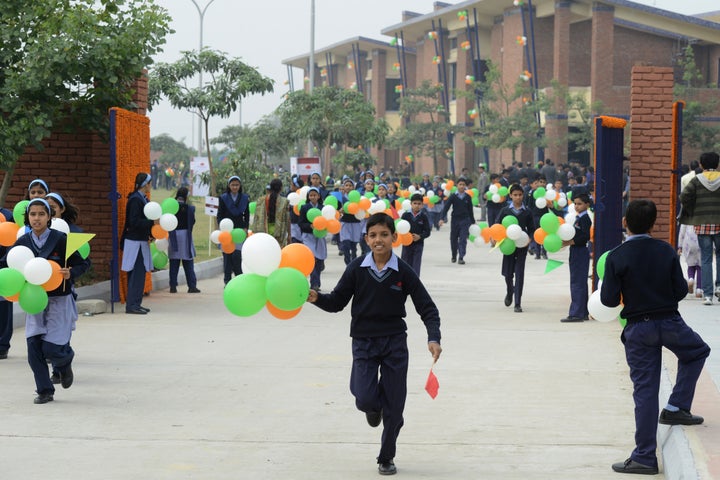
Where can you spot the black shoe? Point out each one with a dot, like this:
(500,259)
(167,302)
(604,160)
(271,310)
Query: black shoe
(570,319)
(66,379)
(145,308)
(193,290)
(544,256)
(461,262)
(387,468)
(631,466)
(453,260)
(373,418)
(681,417)
(518,309)
(173,289)
(537,257)
(136,311)
(508,299)
(55,379)
(3,355)
(43,398)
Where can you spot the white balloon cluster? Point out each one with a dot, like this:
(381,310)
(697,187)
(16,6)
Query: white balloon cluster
(36,270)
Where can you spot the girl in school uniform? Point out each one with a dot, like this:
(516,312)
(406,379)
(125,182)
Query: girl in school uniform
(182,247)
(38,188)
(235,205)
(350,226)
(317,245)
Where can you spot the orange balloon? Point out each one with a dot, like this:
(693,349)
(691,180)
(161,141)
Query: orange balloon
(296,209)
(320,222)
(158,232)
(449,184)
(405,193)
(225,237)
(2,218)
(227,247)
(398,205)
(485,234)
(13,298)
(55,279)
(281,314)
(540,235)
(8,233)
(333,226)
(364,203)
(426,200)
(498,232)
(405,238)
(353,208)
(297,256)
(561,220)
(396,243)
(470,192)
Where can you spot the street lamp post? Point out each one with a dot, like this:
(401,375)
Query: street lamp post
(311,63)
(201,12)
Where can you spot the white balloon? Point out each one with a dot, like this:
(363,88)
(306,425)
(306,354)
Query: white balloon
(570,218)
(403,226)
(421,191)
(18,256)
(493,189)
(400,213)
(600,312)
(303,192)
(562,202)
(60,225)
(514,232)
(496,197)
(566,232)
(152,210)
(162,244)
(406,205)
(540,202)
(447,192)
(474,230)
(443,185)
(21,231)
(37,271)
(328,211)
(360,214)
(411,189)
(523,241)
(226,225)
(478,242)
(376,207)
(550,195)
(293,198)
(169,222)
(261,253)
(215,236)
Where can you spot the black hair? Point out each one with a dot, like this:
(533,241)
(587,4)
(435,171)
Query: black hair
(416,197)
(493,176)
(275,188)
(37,181)
(70,212)
(640,216)
(709,160)
(380,219)
(464,180)
(182,193)
(583,197)
(514,188)
(139,179)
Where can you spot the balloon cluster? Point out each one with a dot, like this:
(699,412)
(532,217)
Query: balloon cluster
(272,277)
(396,66)
(521,40)
(507,234)
(473,113)
(526,75)
(227,236)
(545,198)
(497,193)
(469,79)
(404,237)
(436,59)
(28,279)
(326,220)
(552,232)
(432,35)
(168,222)
(465,45)
(596,308)
(462,15)
(398,88)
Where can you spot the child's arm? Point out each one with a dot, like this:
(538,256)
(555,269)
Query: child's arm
(338,299)
(427,227)
(611,291)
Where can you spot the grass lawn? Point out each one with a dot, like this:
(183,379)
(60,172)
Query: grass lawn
(204,224)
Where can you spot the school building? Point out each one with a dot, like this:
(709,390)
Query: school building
(589,46)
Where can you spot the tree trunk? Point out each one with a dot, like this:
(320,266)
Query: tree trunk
(7,181)
(213,192)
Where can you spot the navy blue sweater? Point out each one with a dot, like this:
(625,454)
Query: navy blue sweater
(462,208)
(647,273)
(378,301)
(582,230)
(419,224)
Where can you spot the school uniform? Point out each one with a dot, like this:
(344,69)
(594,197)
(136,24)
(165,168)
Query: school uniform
(317,245)
(237,209)
(6,308)
(513,266)
(379,338)
(350,234)
(645,273)
(182,248)
(462,217)
(579,263)
(537,213)
(419,224)
(136,249)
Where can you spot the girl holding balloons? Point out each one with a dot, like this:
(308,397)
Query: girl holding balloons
(48,330)
(350,225)
(513,265)
(235,205)
(316,244)
(181,246)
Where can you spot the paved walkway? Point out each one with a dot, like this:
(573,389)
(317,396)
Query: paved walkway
(192,392)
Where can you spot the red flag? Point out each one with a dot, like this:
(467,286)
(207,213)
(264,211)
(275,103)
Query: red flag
(432,385)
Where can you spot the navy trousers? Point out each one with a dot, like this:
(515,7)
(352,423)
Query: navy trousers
(232,264)
(6,325)
(188,268)
(514,266)
(643,350)
(349,249)
(136,284)
(412,254)
(39,352)
(579,264)
(389,357)
(315,274)
(459,231)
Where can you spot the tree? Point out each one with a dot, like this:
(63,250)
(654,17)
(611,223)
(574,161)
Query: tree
(264,139)
(230,81)
(332,117)
(173,151)
(427,127)
(696,133)
(581,113)
(508,113)
(65,62)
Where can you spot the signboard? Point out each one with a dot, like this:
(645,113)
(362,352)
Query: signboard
(198,166)
(304,166)
(211,206)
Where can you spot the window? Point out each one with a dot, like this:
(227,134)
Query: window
(453,43)
(392,97)
(452,79)
(369,64)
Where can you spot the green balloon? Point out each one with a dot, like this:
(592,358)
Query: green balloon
(507,247)
(503,191)
(345,207)
(170,205)
(331,200)
(252,206)
(476,192)
(550,223)
(471,238)
(318,234)
(354,196)
(483,225)
(287,288)
(475,201)
(84,250)
(600,265)
(623,321)
(33,298)
(539,193)
(160,260)
(552,243)
(11,281)
(509,220)
(489,195)
(245,295)
(313,213)
(19,212)
(238,235)
(370,195)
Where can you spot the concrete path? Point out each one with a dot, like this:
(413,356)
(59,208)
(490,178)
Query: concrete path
(193,392)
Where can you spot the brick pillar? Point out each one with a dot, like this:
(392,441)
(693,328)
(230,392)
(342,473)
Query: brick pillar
(556,125)
(651,124)
(463,150)
(379,93)
(601,52)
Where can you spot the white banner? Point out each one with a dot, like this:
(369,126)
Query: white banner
(198,166)
(211,206)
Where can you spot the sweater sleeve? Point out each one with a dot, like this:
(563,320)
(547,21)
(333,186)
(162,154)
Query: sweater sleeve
(427,227)
(611,286)
(338,299)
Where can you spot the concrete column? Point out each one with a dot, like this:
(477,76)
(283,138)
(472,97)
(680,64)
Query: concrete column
(556,124)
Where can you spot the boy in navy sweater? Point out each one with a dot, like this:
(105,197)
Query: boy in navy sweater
(379,284)
(645,274)
(420,229)
(462,217)
(513,265)
(579,261)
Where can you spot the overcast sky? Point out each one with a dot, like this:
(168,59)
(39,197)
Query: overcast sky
(263,33)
